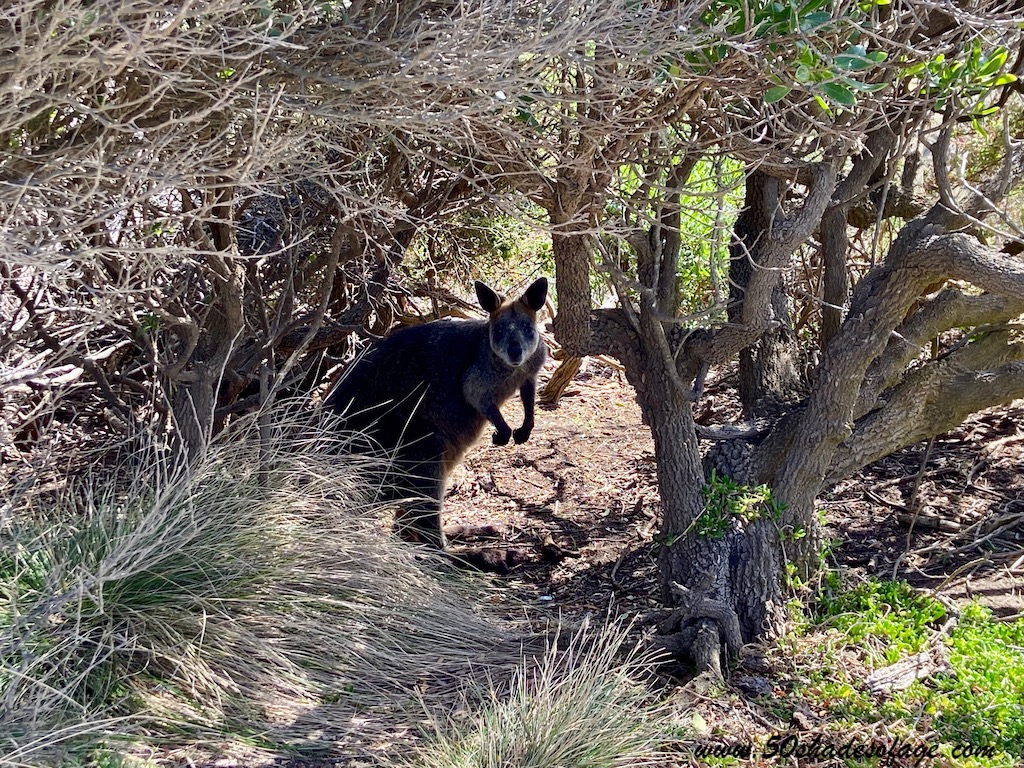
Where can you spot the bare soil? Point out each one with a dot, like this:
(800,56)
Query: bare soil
(579,505)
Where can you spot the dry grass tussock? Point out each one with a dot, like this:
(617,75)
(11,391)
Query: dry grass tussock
(580,706)
(161,606)
(251,604)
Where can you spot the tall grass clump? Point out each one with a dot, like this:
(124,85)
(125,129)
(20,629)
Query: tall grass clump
(580,706)
(246,601)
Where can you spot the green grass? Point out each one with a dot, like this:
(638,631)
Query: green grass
(985,700)
(977,704)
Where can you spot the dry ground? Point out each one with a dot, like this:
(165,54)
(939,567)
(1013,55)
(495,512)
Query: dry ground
(579,503)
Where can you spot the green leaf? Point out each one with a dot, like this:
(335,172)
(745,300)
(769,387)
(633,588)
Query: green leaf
(975,55)
(865,87)
(816,19)
(839,94)
(803,74)
(1004,79)
(993,63)
(813,5)
(855,57)
(524,115)
(852,62)
(775,94)
(700,725)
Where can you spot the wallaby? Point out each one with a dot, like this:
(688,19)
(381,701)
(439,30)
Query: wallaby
(424,394)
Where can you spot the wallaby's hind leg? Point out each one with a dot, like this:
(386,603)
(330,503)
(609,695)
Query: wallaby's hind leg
(418,518)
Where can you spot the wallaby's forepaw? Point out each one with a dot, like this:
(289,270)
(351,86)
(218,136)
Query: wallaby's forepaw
(502,436)
(522,434)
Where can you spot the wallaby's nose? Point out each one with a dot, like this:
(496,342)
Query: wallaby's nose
(515,353)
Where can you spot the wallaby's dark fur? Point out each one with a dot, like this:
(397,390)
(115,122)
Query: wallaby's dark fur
(424,394)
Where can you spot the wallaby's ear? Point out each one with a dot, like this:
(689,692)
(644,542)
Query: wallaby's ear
(535,294)
(488,299)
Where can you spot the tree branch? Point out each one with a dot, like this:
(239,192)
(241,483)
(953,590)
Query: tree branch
(934,399)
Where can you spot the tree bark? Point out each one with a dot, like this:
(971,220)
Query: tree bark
(951,308)
(867,169)
(934,399)
(862,400)
(195,390)
(920,257)
(768,371)
(570,246)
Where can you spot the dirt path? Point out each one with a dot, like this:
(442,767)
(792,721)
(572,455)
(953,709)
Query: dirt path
(579,502)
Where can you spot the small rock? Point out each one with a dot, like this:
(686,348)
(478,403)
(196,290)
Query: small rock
(754,685)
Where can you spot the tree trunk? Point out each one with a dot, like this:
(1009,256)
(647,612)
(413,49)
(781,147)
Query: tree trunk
(726,575)
(731,584)
(570,246)
(720,592)
(768,368)
(868,171)
(195,390)
(835,280)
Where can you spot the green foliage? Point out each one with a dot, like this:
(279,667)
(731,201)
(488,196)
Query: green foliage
(985,151)
(882,609)
(708,203)
(818,51)
(978,703)
(984,697)
(712,197)
(726,501)
(816,46)
(149,323)
(503,250)
(835,80)
(963,82)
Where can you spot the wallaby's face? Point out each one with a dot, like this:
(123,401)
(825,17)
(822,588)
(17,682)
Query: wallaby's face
(513,325)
